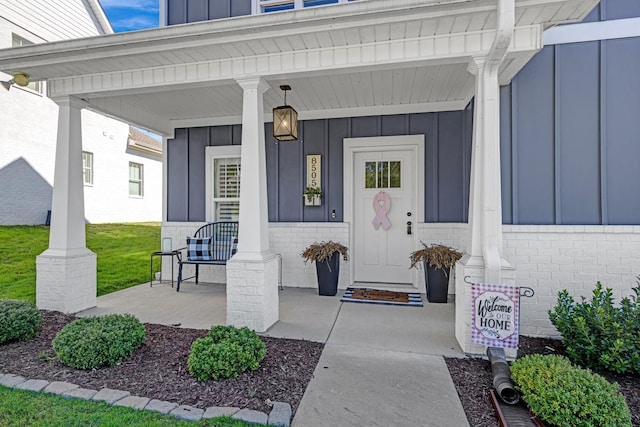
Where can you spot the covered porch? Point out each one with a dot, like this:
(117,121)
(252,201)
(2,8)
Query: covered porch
(371,57)
(303,315)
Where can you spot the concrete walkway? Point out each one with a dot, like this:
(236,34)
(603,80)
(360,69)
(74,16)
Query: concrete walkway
(382,365)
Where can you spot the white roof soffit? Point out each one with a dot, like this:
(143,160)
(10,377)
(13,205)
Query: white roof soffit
(344,59)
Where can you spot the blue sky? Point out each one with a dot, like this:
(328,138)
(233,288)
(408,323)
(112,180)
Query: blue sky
(129,15)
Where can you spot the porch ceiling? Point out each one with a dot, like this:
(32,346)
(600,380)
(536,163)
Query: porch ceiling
(348,59)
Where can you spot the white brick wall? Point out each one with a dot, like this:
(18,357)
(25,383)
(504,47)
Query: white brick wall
(66,283)
(550,258)
(453,235)
(252,294)
(290,240)
(287,239)
(449,234)
(546,258)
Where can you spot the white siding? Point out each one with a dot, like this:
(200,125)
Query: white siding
(50,20)
(28,127)
(108,200)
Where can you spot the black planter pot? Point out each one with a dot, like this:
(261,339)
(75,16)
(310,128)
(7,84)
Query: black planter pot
(437,281)
(328,271)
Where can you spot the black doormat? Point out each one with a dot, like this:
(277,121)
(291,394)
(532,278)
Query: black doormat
(376,296)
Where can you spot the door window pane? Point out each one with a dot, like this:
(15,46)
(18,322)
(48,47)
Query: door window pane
(370,175)
(394,174)
(382,174)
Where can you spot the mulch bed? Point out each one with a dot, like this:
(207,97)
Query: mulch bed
(158,369)
(472,378)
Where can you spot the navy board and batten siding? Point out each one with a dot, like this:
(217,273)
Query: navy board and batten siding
(571,136)
(186,11)
(570,140)
(447,165)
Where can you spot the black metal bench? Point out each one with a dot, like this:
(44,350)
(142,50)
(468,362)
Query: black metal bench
(222,245)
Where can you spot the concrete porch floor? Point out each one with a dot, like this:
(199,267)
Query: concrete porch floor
(382,365)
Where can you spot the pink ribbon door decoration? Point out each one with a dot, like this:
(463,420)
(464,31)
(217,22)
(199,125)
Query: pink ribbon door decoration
(382,206)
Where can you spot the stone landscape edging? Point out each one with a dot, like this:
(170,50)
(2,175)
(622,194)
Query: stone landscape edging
(280,414)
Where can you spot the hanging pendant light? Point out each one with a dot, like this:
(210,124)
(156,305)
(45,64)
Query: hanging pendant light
(285,120)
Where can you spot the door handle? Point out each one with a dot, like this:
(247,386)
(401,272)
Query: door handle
(409,227)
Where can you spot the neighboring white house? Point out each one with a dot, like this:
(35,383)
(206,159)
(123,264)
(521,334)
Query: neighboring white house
(123,180)
(535,191)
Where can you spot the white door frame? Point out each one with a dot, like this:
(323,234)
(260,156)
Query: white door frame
(351,146)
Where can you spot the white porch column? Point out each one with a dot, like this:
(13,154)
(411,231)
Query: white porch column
(252,274)
(66,272)
(484,260)
(485,198)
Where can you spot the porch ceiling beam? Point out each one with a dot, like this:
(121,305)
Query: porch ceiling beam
(132,114)
(381,110)
(511,67)
(450,48)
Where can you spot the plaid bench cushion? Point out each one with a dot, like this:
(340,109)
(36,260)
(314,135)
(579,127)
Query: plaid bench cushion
(199,249)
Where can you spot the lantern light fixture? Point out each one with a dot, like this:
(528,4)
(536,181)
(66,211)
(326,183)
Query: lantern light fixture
(285,120)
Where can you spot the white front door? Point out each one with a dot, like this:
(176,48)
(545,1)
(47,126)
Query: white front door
(383,205)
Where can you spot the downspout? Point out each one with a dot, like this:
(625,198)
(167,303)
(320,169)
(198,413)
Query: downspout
(506,23)
(491,249)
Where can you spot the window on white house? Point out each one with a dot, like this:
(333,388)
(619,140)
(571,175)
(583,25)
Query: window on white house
(17,41)
(136,179)
(87,168)
(266,6)
(223,183)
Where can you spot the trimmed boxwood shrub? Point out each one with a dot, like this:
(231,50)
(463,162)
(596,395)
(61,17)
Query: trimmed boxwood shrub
(565,395)
(597,334)
(19,320)
(95,342)
(225,352)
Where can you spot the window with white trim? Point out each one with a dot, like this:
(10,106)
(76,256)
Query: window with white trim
(87,168)
(17,41)
(223,183)
(267,6)
(136,179)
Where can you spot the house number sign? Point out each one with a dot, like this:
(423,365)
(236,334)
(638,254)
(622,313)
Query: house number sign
(313,171)
(495,315)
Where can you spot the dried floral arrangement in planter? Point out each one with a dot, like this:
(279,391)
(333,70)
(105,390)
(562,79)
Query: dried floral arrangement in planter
(319,252)
(438,256)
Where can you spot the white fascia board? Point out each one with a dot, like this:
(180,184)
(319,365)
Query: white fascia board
(592,31)
(349,15)
(100,16)
(206,33)
(449,49)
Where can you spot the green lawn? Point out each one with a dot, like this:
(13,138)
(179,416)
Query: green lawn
(123,256)
(25,408)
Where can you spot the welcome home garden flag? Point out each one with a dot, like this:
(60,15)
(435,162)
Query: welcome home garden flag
(495,315)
